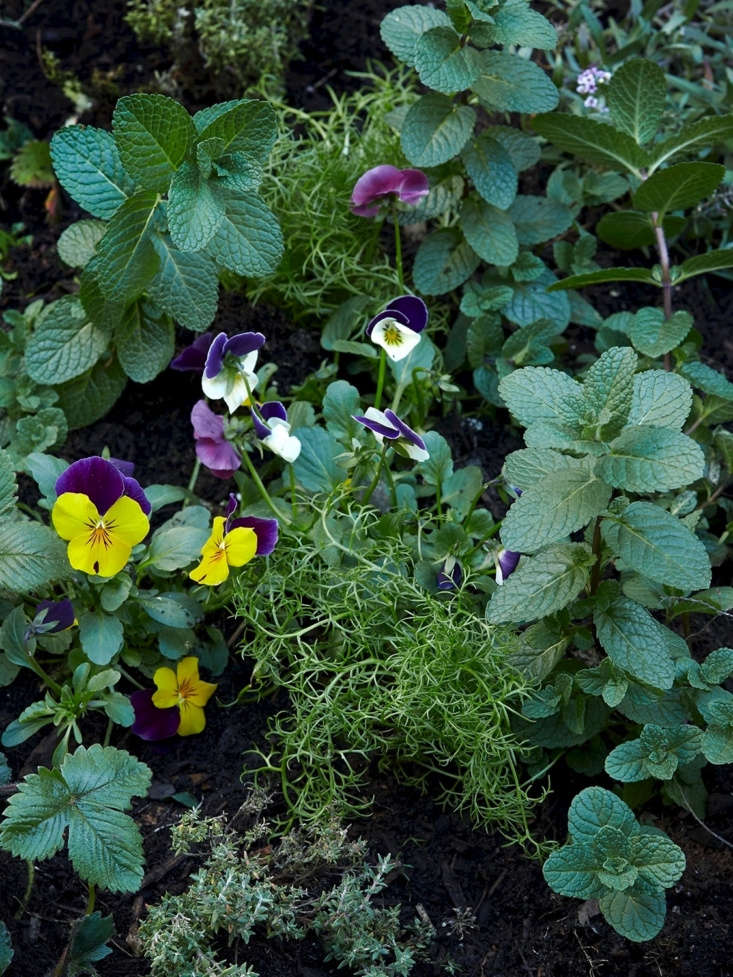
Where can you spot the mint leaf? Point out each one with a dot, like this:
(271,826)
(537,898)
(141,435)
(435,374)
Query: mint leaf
(594,142)
(606,275)
(247,126)
(186,285)
(516,23)
(145,342)
(538,219)
(89,397)
(489,232)
(77,244)
(653,334)
(436,129)
(636,95)
(595,808)
(651,459)
(533,300)
(194,212)
(443,63)
(88,166)
(8,484)
(490,167)
(571,871)
(704,132)
(637,913)
(402,28)
(608,389)
(541,584)
(126,258)
(660,399)
(702,263)
(678,187)
(443,261)
(635,642)
(523,149)
(248,240)
(153,134)
(509,83)
(531,465)
(64,343)
(536,394)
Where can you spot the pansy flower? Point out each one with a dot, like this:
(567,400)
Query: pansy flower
(229,369)
(193,357)
(175,706)
(409,186)
(450,575)
(506,564)
(398,328)
(212,447)
(272,428)
(102,513)
(51,617)
(386,424)
(233,542)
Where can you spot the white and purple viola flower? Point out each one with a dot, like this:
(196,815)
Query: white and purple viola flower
(193,357)
(386,424)
(506,564)
(272,428)
(409,186)
(212,447)
(450,575)
(397,330)
(229,368)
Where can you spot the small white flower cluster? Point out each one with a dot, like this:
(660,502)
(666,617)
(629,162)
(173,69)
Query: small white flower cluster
(587,84)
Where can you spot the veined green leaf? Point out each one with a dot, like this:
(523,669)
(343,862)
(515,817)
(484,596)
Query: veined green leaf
(126,258)
(678,187)
(88,166)
(594,142)
(541,584)
(636,95)
(436,129)
(153,134)
(509,83)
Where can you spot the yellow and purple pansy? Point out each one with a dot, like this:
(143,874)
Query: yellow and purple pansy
(176,705)
(398,328)
(102,511)
(233,542)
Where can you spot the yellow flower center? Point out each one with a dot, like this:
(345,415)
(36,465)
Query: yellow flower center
(185,690)
(392,336)
(100,533)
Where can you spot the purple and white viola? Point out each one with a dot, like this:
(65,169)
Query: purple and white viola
(386,424)
(506,564)
(409,186)
(272,428)
(397,330)
(229,369)
(193,357)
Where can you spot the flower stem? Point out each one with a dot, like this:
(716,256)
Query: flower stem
(293,483)
(666,279)
(398,247)
(194,476)
(375,481)
(28,888)
(263,491)
(91,898)
(380,378)
(595,576)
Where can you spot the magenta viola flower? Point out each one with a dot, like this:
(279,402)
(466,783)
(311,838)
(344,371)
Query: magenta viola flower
(506,564)
(272,428)
(450,575)
(398,328)
(229,369)
(193,357)
(212,447)
(386,424)
(409,186)
(51,617)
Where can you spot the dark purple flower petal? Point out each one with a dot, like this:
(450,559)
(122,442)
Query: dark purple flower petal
(376,427)
(124,467)
(193,357)
(507,562)
(266,531)
(413,186)
(58,613)
(152,723)
(450,579)
(215,356)
(231,506)
(412,436)
(243,343)
(134,490)
(220,457)
(412,308)
(206,424)
(94,477)
(375,183)
(273,408)
(387,314)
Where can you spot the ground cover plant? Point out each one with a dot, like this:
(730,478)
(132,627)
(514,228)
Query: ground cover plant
(505,235)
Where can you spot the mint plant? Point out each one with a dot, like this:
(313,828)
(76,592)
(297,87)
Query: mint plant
(612,858)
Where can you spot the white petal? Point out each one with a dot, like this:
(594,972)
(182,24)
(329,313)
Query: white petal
(372,414)
(282,443)
(415,452)
(247,363)
(395,339)
(214,387)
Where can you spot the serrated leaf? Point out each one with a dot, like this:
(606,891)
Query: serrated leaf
(489,232)
(678,187)
(492,171)
(653,334)
(637,913)
(194,213)
(248,240)
(89,397)
(101,636)
(594,142)
(523,149)
(537,393)
(634,642)
(707,379)
(660,399)
(31,556)
(635,96)
(8,485)
(536,299)
(700,264)
(509,83)
(608,389)
(564,502)
(571,871)
(88,166)
(595,808)
(529,345)
(659,860)
(145,343)
(651,459)
(516,23)
(436,129)
(541,584)
(443,261)
(717,744)
(704,132)
(246,126)
(402,28)
(542,647)
(529,466)
(64,344)
(444,63)
(126,260)
(186,285)
(625,763)
(443,196)
(538,219)
(153,134)
(659,546)
(79,241)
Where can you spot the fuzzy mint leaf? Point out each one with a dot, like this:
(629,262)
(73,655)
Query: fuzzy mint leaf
(490,167)
(153,134)
(89,397)
(88,166)
(594,142)
(653,334)
(529,466)
(651,459)
(635,96)
(443,63)
(516,23)
(571,871)
(8,485)
(87,796)
(64,343)
(402,28)
(523,148)
(509,83)
(541,584)
(659,546)
(186,285)
(534,299)
(246,126)
(678,187)
(443,261)
(595,808)
(635,642)
(194,213)
(436,129)
(78,243)
(145,341)
(659,860)
(538,219)
(248,241)
(126,260)
(536,394)
(660,399)
(489,232)
(637,913)
(608,389)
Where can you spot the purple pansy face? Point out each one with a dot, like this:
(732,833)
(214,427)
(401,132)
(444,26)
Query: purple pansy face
(386,424)
(397,329)
(152,723)
(409,186)
(193,357)
(103,482)
(212,447)
(506,564)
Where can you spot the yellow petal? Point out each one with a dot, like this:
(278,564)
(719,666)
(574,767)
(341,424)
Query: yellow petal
(167,688)
(187,670)
(89,552)
(241,544)
(193,719)
(126,521)
(214,541)
(212,570)
(72,514)
(201,693)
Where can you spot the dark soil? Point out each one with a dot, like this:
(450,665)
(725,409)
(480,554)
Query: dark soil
(520,927)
